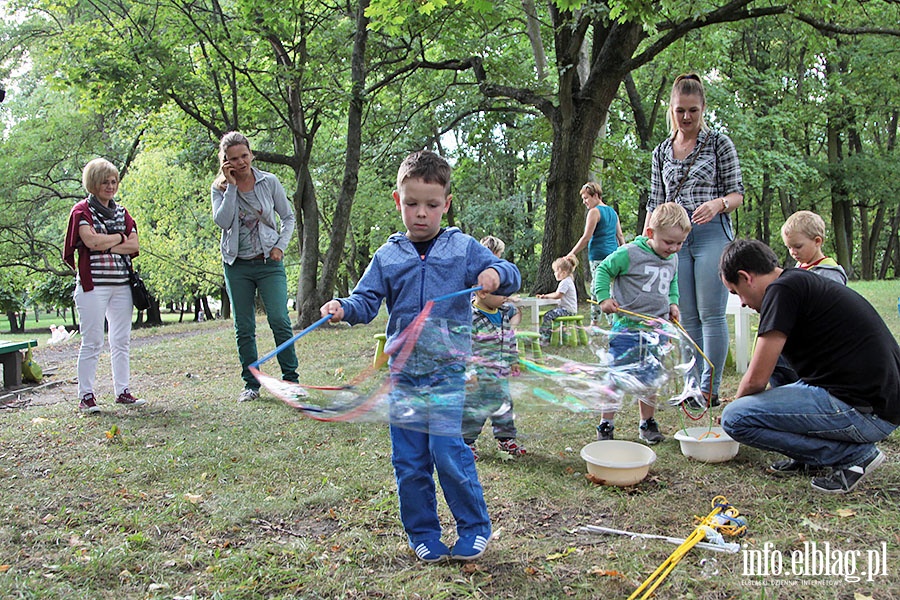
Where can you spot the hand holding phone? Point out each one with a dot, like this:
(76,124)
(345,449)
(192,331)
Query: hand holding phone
(228,172)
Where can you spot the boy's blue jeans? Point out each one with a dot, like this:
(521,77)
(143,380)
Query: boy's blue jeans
(429,438)
(702,296)
(242,280)
(807,424)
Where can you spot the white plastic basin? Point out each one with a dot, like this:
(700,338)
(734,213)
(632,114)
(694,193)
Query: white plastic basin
(617,462)
(707,444)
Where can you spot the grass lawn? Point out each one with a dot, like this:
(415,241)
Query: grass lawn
(198,496)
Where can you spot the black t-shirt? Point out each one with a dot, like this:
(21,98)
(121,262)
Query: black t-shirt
(422,247)
(835,340)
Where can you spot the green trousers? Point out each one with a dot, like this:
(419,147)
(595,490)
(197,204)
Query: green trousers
(243,280)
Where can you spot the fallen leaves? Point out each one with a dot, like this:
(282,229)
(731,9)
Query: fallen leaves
(563,554)
(600,572)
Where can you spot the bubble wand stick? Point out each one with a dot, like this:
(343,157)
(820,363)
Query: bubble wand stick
(290,392)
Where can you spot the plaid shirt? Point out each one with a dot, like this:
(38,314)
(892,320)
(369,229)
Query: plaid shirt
(715,172)
(494,348)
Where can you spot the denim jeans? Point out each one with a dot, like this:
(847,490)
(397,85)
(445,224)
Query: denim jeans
(702,296)
(596,313)
(242,280)
(112,304)
(807,424)
(427,440)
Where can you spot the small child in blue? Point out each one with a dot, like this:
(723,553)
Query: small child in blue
(495,358)
(644,276)
(563,269)
(407,271)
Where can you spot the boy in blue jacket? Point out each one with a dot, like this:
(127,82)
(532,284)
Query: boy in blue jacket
(408,270)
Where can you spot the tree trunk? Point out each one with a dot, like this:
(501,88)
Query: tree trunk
(839,200)
(204,300)
(533,30)
(154,316)
(226,302)
(319,294)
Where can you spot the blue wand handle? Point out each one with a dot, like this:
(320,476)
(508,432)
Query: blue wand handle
(454,294)
(287,343)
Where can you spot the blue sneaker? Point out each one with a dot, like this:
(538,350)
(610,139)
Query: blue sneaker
(432,551)
(469,547)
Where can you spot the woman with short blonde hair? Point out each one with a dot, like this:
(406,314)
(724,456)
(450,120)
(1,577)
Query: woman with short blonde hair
(104,236)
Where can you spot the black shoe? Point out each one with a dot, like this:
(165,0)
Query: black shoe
(605,431)
(841,481)
(789,466)
(649,432)
(696,402)
(714,401)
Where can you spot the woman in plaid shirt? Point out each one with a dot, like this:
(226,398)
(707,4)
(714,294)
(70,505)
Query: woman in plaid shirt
(698,168)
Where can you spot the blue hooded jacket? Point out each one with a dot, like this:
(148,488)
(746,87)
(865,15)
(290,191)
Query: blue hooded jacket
(406,281)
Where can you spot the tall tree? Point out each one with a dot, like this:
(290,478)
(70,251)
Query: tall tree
(621,37)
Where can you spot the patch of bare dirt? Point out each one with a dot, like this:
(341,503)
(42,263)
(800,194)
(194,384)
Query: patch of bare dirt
(59,364)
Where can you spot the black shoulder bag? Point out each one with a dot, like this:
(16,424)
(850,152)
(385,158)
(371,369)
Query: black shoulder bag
(140,295)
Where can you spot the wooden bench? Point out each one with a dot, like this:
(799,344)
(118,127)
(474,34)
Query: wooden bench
(11,357)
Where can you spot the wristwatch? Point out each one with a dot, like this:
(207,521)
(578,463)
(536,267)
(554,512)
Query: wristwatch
(724,204)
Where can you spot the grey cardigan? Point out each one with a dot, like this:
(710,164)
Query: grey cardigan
(273,199)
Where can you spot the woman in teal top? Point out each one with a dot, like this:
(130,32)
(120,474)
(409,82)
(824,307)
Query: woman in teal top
(602,233)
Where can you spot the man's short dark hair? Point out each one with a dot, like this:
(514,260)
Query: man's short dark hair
(751,256)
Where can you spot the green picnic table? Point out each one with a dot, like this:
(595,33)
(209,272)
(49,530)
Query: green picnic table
(11,356)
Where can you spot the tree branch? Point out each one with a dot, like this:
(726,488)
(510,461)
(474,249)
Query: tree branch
(821,25)
(731,12)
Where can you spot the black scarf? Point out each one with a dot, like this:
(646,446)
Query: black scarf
(104,212)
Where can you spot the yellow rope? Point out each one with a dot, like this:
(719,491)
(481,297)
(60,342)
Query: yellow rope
(720,507)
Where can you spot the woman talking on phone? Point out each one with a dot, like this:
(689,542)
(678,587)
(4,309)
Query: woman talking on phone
(246,202)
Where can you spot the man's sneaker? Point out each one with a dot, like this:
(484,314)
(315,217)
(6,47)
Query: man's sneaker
(841,481)
(432,551)
(650,432)
(248,395)
(469,547)
(605,431)
(510,447)
(128,400)
(474,450)
(789,466)
(88,404)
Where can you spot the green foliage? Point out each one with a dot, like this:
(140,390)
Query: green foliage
(180,256)
(54,291)
(13,297)
(174,76)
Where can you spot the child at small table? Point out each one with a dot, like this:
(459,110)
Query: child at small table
(644,278)
(563,268)
(408,270)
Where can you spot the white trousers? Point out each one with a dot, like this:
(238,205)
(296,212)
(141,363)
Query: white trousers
(110,303)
